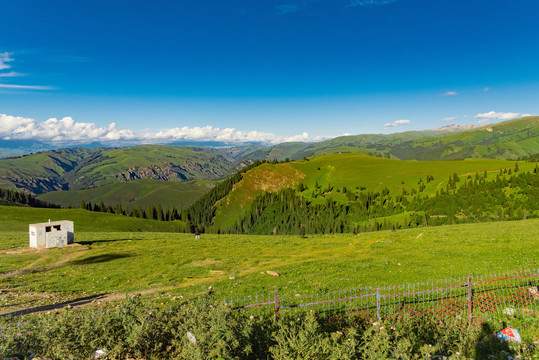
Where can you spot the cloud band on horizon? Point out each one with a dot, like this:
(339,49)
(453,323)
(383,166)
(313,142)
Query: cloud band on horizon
(68,131)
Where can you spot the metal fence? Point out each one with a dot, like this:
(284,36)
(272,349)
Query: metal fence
(477,296)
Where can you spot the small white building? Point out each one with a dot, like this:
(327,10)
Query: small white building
(51,234)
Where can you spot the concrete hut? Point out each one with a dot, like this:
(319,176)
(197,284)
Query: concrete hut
(51,234)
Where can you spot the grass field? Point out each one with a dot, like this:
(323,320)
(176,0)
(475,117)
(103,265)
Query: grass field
(17,218)
(171,264)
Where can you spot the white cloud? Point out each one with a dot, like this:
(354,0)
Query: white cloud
(11,74)
(54,130)
(287,8)
(492,115)
(486,89)
(368,3)
(450,93)
(4,58)
(450,118)
(67,130)
(27,87)
(396,123)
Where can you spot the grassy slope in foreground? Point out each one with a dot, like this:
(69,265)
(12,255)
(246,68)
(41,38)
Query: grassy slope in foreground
(132,194)
(350,170)
(236,265)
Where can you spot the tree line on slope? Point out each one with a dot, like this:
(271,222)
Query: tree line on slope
(511,196)
(530,158)
(21,198)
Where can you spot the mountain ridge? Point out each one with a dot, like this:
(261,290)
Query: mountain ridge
(84,168)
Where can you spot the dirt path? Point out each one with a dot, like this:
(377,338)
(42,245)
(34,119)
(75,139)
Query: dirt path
(103,298)
(30,268)
(81,302)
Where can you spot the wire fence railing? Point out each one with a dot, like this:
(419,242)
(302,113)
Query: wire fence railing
(477,296)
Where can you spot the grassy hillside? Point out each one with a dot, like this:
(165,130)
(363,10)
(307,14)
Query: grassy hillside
(351,171)
(151,161)
(137,193)
(507,140)
(164,263)
(14,218)
(44,170)
(75,169)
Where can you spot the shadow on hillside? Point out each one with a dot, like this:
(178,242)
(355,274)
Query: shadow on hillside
(76,302)
(100,259)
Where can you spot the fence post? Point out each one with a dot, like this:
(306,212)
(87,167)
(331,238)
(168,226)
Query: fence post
(276,295)
(378,303)
(470,298)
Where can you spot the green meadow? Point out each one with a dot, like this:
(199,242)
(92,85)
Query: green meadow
(113,260)
(17,218)
(138,193)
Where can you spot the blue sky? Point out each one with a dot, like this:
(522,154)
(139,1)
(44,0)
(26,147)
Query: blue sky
(270,70)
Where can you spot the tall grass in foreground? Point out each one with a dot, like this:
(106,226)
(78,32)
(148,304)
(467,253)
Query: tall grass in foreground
(203,329)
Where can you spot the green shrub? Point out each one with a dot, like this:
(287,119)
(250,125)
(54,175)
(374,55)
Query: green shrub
(204,329)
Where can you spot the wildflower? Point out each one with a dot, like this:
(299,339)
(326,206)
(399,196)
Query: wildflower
(375,324)
(381,328)
(338,332)
(251,317)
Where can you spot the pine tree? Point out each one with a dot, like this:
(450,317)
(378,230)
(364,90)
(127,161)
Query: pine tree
(159,215)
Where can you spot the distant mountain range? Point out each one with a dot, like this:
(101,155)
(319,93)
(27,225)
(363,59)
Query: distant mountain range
(506,140)
(87,168)
(12,148)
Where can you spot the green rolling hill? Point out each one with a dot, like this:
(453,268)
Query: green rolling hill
(506,140)
(44,171)
(137,193)
(75,169)
(138,175)
(396,189)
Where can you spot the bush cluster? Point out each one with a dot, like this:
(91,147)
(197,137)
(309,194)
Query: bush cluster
(203,329)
